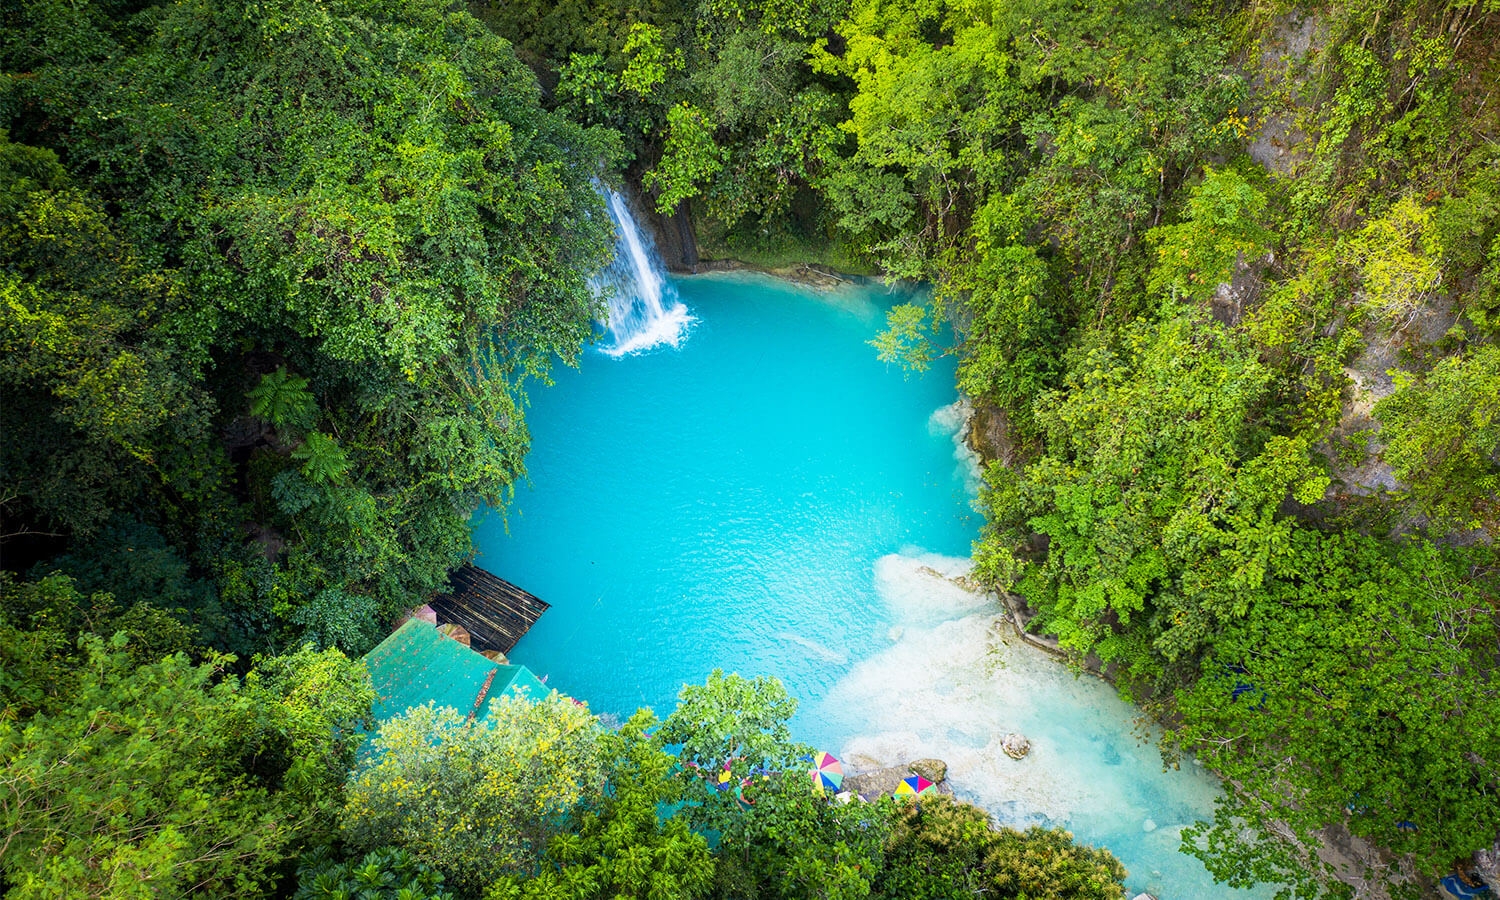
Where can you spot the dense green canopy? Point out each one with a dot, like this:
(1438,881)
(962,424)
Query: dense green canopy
(283,271)
(1222,280)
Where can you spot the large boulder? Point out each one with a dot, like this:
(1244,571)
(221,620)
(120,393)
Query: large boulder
(934,770)
(1015,745)
(879,783)
(989,434)
(883,782)
(1487,863)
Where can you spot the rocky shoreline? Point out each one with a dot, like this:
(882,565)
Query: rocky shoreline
(872,784)
(812,275)
(677,244)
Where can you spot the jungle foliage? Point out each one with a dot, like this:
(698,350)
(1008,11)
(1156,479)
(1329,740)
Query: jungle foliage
(169,777)
(274,278)
(1186,347)
(1178,250)
(129,772)
(578,811)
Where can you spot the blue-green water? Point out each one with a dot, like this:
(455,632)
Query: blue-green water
(768,498)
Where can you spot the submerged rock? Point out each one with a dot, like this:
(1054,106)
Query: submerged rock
(963,582)
(967,583)
(1015,745)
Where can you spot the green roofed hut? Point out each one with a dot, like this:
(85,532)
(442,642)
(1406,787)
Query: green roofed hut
(418,664)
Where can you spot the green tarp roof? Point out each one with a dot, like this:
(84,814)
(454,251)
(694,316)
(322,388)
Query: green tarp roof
(416,664)
(520,682)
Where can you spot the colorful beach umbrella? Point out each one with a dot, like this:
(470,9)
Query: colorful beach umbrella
(827,772)
(726,780)
(913,785)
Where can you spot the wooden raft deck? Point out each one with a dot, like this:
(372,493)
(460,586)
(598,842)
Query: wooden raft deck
(495,612)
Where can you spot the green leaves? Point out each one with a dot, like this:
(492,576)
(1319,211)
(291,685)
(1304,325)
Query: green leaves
(318,702)
(477,800)
(584,86)
(368,196)
(650,60)
(1223,225)
(385,874)
(1348,693)
(137,783)
(282,399)
(1086,117)
(624,848)
(92,401)
(940,849)
(1397,255)
(734,721)
(1157,494)
(905,340)
(323,461)
(689,158)
(1441,435)
(1012,327)
(793,843)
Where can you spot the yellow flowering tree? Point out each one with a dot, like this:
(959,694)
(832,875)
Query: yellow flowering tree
(477,800)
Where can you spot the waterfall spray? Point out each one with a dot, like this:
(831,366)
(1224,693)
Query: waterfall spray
(643,307)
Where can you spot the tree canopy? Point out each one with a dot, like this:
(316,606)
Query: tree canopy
(284,270)
(275,279)
(175,778)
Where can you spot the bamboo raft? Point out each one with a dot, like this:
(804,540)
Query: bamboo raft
(495,612)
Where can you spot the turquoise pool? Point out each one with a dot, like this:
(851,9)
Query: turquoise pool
(768,498)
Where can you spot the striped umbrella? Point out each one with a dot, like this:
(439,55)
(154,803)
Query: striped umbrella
(827,772)
(913,785)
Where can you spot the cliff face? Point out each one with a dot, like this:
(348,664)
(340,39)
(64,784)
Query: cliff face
(1298,79)
(989,434)
(675,239)
(673,234)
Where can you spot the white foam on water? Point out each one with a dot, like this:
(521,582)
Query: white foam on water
(644,311)
(955,680)
(953,420)
(952,690)
(669,329)
(924,589)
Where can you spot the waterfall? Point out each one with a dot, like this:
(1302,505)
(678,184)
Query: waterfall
(643,307)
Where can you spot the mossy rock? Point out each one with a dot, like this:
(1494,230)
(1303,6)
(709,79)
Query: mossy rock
(934,770)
